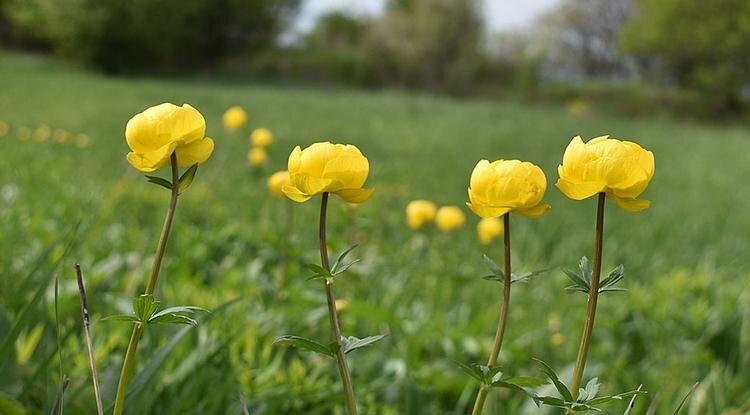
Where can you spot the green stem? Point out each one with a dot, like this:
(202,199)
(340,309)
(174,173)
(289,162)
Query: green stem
(346,380)
(588,327)
(499,334)
(129,361)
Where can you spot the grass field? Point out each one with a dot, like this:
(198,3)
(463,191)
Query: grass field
(685,318)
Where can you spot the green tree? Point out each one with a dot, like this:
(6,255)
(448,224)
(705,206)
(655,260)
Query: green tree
(703,46)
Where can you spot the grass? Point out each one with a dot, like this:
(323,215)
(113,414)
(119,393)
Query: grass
(685,318)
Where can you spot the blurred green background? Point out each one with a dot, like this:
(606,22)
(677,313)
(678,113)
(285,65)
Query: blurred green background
(425,88)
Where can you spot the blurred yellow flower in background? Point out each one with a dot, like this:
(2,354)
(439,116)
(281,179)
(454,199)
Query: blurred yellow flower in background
(488,229)
(4,128)
(449,218)
(60,135)
(556,340)
(507,186)
(328,168)
(277,181)
(82,140)
(261,137)
(621,169)
(578,107)
(42,132)
(420,213)
(341,305)
(257,156)
(234,118)
(156,133)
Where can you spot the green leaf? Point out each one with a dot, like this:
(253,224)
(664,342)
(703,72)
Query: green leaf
(498,278)
(525,276)
(318,272)
(589,392)
(303,343)
(564,392)
(181,309)
(187,178)
(341,268)
(579,284)
(618,397)
(551,401)
(685,398)
(493,267)
(172,318)
(122,317)
(472,370)
(583,265)
(613,278)
(339,263)
(144,307)
(352,343)
(161,182)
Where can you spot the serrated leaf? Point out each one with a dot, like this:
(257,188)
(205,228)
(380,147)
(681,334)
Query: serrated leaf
(339,261)
(583,265)
(187,178)
(144,307)
(122,317)
(352,343)
(493,267)
(172,318)
(525,276)
(579,284)
(471,370)
(161,182)
(561,388)
(305,344)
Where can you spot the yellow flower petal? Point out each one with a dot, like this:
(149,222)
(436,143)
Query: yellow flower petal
(631,205)
(196,152)
(355,195)
(487,211)
(579,191)
(295,194)
(153,160)
(535,211)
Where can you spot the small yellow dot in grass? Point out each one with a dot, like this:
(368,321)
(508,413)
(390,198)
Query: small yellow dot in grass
(556,340)
(42,132)
(82,141)
(60,135)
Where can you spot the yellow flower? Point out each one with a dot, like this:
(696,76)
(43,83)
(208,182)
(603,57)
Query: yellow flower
(621,169)
(328,168)
(448,218)
(257,156)
(159,131)
(277,181)
(4,128)
(341,305)
(556,340)
(488,229)
(234,118)
(507,186)
(60,135)
(420,213)
(82,141)
(42,133)
(261,137)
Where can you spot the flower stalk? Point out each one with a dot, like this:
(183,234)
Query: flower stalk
(500,333)
(346,379)
(593,297)
(129,361)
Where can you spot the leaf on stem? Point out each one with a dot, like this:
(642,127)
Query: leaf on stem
(550,373)
(318,272)
(352,343)
(339,266)
(144,307)
(177,315)
(187,178)
(159,181)
(305,344)
(613,278)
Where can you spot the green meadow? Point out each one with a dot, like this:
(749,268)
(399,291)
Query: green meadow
(684,319)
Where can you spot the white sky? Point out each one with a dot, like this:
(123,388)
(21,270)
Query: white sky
(499,14)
